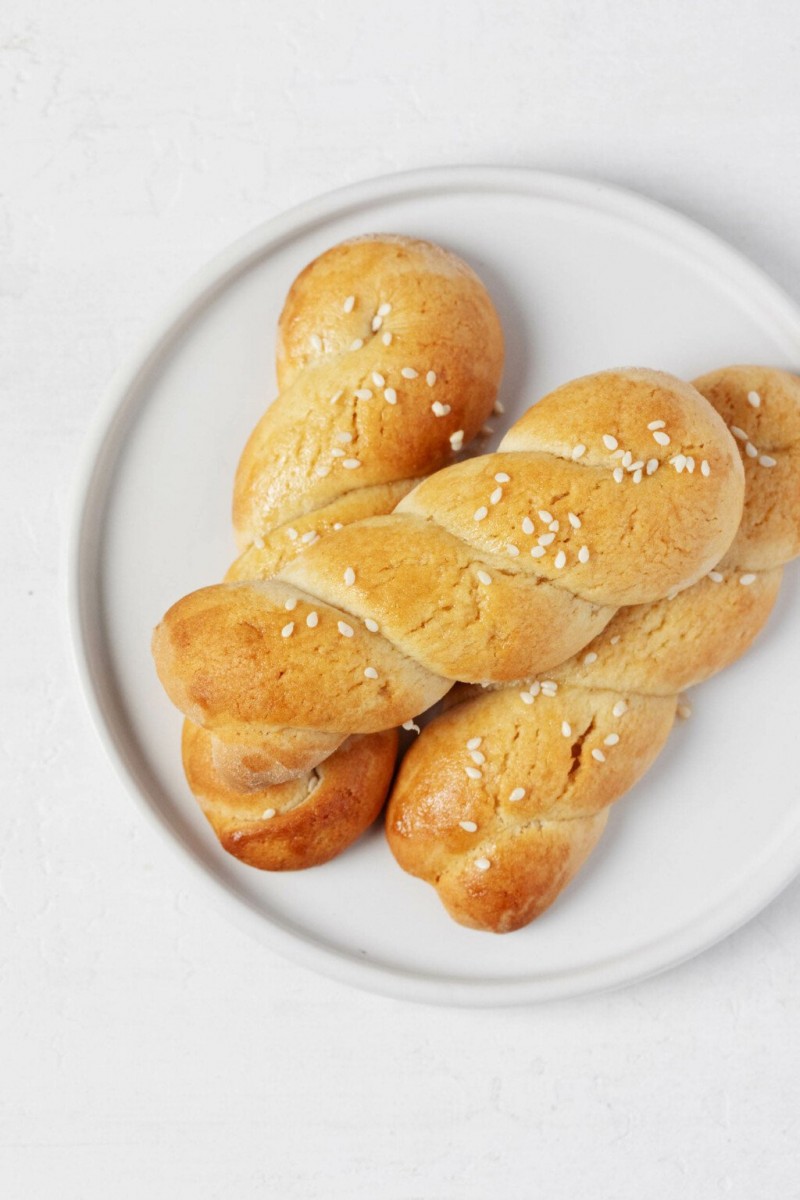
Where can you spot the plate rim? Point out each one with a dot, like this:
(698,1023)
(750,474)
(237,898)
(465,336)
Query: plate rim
(771,873)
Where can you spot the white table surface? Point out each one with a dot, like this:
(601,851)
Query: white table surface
(147,1047)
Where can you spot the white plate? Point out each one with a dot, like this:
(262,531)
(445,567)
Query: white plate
(585,277)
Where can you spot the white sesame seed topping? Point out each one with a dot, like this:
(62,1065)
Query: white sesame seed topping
(678,462)
(362,394)
(545,516)
(468,826)
(663,439)
(337,396)
(738,433)
(615,639)
(338,525)
(611,739)
(351,464)
(560,560)
(390,395)
(589,658)
(578,451)
(527,525)
(316,342)
(371,625)
(754,399)
(635,466)
(637,475)
(618,474)
(386,338)
(619,453)
(554,526)
(312,620)
(343,435)
(349,576)
(457,439)
(411,726)
(349,304)
(538,551)
(480,513)
(574,520)
(322,471)
(356,343)
(620,708)
(598,755)
(376,323)
(378,379)
(512,549)
(291,534)
(517,794)
(716,576)
(535,688)
(337,452)
(472,772)
(484,577)
(496,496)
(384,310)
(549,687)
(566,729)
(705,469)
(474,743)
(747,579)
(526,697)
(370,673)
(288,630)
(656,425)
(408,373)
(609,441)
(258,542)
(501,477)
(309,536)
(291,604)
(627,459)
(766,460)
(344,629)
(689,463)
(430,378)
(750,450)
(652,465)
(545,539)
(478,757)
(482,864)
(268,814)
(583,554)
(440,410)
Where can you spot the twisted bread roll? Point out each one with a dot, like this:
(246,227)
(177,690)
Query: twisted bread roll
(492,569)
(500,847)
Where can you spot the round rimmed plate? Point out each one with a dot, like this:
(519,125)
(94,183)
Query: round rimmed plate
(585,277)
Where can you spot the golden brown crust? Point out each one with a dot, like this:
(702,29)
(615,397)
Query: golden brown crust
(298,824)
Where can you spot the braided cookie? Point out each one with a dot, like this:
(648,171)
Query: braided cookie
(491,570)
(499,802)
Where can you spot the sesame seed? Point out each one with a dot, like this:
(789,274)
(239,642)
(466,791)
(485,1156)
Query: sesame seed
(526,697)
(384,310)
(338,525)
(610,442)
(545,539)
(496,496)
(258,542)
(663,439)
(468,826)
(288,630)
(482,864)
(349,304)
(619,453)
(480,513)
(376,323)
(535,688)
(705,469)
(371,625)
(598,755)
(430,378)
(583,554)
(498,408)
(316,342)
(738,433)
(754,399)
(378,379)
(356,343)
(517,794)
(689,463)
(615,639)
(512,549)
(291,604)
(716,576)
(545,516)
(309,537)
(408,373)
(484,577)
(457,439)
(472,772)
(578,451)
(342,435)
(527,525)
(554,526)
(268,814)
(474,743)
(750,450)
(322,471)
(501,477)
(549,687)
(312,620)
(574,520)
(478,757)
(637,476)
(386,338)
(747,579)
(351,464)
(370,673)
(635,466)
(538,551)
(362,394)
(337,396)
(589,658)
(440,410)
(410,726)
(560,560)
(390,395)
(627,459)
(652,465)
(344,629)
(611,740)
(618,474)
(291,534)
(349,576)
(678,462)
(766,460)
(337,452)
(684,711)
(656,425)
(566,729)
(620,708)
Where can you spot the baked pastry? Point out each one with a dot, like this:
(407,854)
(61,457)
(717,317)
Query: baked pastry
(500,848)
(493,569)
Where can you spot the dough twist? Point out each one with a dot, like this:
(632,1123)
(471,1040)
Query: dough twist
(501,839)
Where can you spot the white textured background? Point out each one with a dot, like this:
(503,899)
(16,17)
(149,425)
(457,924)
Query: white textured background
(146,1047)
